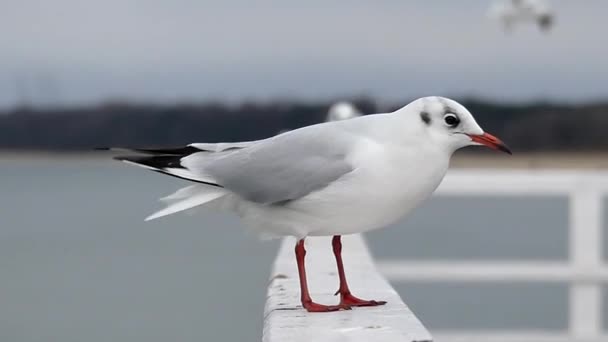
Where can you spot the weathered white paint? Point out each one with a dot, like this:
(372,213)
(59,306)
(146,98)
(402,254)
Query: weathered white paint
(286,320)
(585,270)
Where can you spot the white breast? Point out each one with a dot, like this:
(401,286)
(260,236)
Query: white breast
(388,183)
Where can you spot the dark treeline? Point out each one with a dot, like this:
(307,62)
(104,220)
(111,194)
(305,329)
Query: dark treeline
(532,127)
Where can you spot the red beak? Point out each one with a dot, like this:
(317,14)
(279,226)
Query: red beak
(490,141)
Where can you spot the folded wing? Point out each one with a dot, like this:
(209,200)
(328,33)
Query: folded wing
(271,171)
(281,169)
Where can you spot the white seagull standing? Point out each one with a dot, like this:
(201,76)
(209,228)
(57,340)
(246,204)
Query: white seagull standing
(329,179)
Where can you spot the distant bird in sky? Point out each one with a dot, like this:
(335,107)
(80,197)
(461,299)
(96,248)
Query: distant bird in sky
(329,179)
(511,12)
(342,111)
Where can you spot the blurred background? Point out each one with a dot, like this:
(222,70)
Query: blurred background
(77,261)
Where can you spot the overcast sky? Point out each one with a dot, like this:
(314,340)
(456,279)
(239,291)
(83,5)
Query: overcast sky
(77,51)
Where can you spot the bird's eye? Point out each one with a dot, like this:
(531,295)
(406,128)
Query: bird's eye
(451,120)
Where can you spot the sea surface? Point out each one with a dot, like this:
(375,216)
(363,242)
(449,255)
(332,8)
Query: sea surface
(78,263)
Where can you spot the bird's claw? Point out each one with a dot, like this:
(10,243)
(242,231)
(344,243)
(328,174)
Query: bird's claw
(316,307)
(350,300)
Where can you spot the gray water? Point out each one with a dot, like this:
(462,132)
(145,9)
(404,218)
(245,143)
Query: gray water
(77,262)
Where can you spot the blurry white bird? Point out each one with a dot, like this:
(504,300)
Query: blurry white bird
(333,178)
(338,111)
(342,111)
(510,12)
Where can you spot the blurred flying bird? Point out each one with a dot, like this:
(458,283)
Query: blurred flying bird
(334,178)
(511,12)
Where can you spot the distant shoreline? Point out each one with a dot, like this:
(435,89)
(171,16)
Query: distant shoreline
(523,160)
(525,127)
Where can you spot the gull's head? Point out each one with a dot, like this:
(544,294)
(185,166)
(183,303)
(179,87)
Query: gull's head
(449,124)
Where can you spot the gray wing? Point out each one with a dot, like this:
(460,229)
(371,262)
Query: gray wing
(283,168)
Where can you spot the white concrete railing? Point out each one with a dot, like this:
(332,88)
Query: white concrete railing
(286,320)
(585,270)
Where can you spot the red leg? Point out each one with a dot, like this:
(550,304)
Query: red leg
(346,298)
(307,302)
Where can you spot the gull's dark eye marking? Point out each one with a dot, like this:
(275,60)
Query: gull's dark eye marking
(451,120)
(426,118)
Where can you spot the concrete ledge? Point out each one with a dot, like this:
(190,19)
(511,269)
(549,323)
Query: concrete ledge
(286,320)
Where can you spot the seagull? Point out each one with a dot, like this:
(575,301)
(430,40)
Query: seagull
(339,111)
(329,179)
(342,111)
(512,11)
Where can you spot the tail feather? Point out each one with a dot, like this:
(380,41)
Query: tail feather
(171,162)
(187,198)
(182,193)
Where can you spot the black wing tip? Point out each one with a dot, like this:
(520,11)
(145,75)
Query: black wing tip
(171,151)
(159,162)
